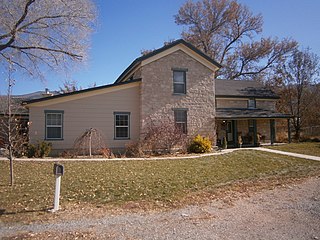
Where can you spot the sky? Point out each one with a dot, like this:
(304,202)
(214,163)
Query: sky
(125,27)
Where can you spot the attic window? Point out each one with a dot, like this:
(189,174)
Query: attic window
(252,103)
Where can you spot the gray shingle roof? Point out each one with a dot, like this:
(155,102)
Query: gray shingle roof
(244,113)
(242,88)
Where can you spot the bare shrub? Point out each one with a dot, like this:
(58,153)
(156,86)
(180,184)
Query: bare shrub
(134,149)
(161,137)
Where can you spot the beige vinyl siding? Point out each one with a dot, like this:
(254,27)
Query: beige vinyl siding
(90,112)
(266,104)
(232,103)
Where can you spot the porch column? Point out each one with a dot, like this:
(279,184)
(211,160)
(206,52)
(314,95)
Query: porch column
(272,131)
(255,132)
(289,131)
(235,133)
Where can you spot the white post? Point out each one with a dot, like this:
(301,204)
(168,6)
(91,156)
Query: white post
(57,193)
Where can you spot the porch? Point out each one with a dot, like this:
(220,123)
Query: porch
(249,127)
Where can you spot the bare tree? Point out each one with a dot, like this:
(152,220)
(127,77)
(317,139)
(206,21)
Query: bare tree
(13,126)
(299,84)
(69,86)
(227,31)
(36,35)
(91,142)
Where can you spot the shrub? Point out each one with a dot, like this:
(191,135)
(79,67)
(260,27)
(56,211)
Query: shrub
(134,149)
(41,149)
(200,145)
(161,137)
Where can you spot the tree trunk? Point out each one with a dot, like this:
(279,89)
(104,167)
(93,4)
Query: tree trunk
(11,166)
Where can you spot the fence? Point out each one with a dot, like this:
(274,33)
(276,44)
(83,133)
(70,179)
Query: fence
(312,131)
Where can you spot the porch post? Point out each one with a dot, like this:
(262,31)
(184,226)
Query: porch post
(235,133)
(255,132)
(289,131)
(272,131)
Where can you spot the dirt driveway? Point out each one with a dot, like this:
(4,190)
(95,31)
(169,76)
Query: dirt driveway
(286,212)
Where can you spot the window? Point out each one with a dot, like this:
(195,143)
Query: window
(251,103)
(121,125)
(180,119)
(54,125)
(179,81)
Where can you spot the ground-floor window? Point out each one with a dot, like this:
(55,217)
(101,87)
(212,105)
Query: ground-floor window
(54,125)
(180,119)
(122,125)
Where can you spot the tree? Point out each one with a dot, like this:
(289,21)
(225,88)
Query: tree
(227,31)
(13,127)
(69,86)
(37,35)
(299,85)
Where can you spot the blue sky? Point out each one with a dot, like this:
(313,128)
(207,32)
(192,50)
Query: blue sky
(128,26)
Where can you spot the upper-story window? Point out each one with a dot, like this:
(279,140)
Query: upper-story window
(251,103)
(54,125)
(179,81)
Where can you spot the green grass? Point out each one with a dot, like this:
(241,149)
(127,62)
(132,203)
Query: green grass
(309,148)
(119,182)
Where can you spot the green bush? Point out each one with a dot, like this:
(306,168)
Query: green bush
(200,145)
(41,149)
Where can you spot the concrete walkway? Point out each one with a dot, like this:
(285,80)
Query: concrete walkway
(298,155)
(225,151)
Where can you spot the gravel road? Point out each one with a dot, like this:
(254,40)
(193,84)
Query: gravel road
(286,212)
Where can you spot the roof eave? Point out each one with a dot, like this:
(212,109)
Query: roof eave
(137,61)
(79,92)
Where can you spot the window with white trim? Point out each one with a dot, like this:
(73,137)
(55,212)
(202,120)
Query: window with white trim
(179,82)
(54,125)
(180,119)
(122,125)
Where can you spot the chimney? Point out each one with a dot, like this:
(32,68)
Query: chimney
(47,93)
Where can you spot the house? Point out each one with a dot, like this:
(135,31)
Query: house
(18,113)
(175,82)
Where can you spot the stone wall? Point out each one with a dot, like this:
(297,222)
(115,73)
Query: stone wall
(158,100)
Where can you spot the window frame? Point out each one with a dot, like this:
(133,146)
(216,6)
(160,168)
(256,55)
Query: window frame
(177,123)
(58,112)
(184,72)
(127,126)
(252,100)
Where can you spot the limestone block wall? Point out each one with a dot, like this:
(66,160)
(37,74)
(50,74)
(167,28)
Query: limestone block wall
(158,100)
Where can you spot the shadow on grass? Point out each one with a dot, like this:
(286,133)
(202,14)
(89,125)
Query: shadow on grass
(4,213)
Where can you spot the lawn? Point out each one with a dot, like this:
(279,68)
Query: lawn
(115,183)
(309,148)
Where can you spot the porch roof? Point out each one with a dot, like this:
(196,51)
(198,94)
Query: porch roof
(245,113)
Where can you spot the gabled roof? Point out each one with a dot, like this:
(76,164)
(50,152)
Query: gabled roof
(243,88)
(139,60)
